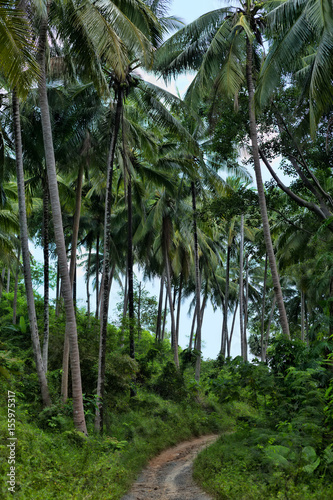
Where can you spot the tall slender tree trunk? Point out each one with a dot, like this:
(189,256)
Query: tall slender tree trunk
(247,294)
(172,313)
(97,276)
(139,310)
(197,284)
(78,411)
(269,325)
(72,276)
(130,269)
(125,305)
(241,291)
(8,280)
(106,264)
(232,330)
(26,255)
(331,308)
(192,328)
(159,311)
(226,304)
(261,193)
(164,314)
(2,282)
(17,273)
(88,283)
(179,305)
(263,313)
(46,272)
(111,278)
(302,316)
(57,311)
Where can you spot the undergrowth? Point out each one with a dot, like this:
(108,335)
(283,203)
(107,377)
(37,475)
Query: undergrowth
(282,449)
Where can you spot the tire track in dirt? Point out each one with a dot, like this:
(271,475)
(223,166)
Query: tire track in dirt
(169,475)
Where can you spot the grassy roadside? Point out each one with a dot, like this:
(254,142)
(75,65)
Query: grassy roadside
(54,464)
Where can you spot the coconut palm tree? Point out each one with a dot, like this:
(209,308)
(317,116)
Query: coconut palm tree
(223,47)
(302,34)
(18,65)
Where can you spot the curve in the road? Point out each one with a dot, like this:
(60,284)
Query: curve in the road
(169,475)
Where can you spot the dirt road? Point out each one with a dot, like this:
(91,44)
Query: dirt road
(169,475)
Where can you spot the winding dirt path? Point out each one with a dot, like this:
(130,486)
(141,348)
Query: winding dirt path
(169,475)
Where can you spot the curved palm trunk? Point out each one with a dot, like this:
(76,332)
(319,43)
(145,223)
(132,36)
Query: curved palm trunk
(106,266)
(197,284)
(261,193)
(78,411)
(46,272)
(26,255)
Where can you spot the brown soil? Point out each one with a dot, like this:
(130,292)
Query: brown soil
(169,475)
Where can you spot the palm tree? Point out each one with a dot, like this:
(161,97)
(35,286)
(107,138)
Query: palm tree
(26,255)
(18,64)
(222,46)
(302,42)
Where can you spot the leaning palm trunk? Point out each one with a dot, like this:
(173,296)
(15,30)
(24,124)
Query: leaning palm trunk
(78,411)
(106,266)
(197,284)
(26,255)
(261,193)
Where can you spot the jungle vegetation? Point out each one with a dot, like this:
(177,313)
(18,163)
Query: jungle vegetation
(105,170)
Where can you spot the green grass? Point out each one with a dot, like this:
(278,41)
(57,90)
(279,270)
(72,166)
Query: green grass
(237,467)
(53,464)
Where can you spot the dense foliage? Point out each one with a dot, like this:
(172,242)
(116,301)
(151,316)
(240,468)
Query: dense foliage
(108,172)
